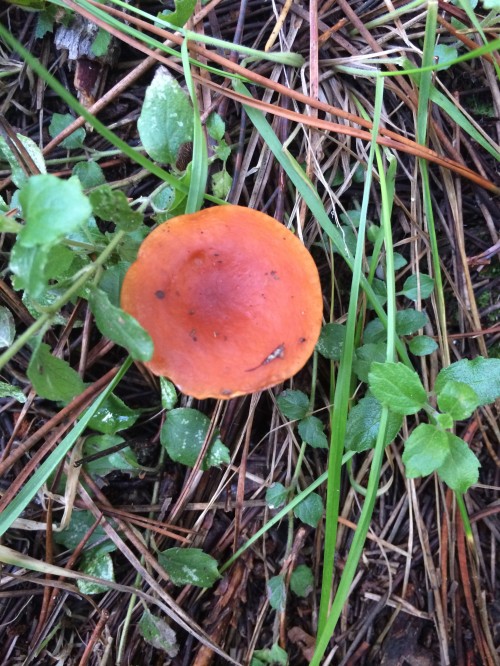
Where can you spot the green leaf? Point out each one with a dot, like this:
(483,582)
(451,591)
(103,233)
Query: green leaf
(7,327)
(293,404)
(425,450)
(89,174)
(53,378)
(374,332)
(397,387)
(101,43)
(168,394)
(460,469)
(28,266)
(380,291)
(274,656)
(181,14)
(45,21)
(189,566)
(445,54)
(218,454)
(10,391)
(112,280)
(276,495)
(481,374)
(166,120)
(310,510)
(19,178)
(302,581)
(365,356)
(331,341)
(96,563)
(221,183)
(363,424)
(216,127)
(276,592)
(444,421)
(112,206)
(458,399)
(119,326)
(52,208)
(58,123)
(157,633)
(399,261)
(183,435)
(79,525)
(113,415)
(123,460)
(410,321)
(351,217)
(418,286)
(311,429)
(422,345)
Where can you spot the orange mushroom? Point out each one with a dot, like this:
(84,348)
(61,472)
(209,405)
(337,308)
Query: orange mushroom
(231,299)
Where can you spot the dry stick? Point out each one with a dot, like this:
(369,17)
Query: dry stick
(73,409)
(386,137)
(94,638)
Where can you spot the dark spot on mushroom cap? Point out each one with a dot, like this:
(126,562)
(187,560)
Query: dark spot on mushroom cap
(160,294)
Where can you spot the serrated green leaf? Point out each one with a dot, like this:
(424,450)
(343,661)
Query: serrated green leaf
(444,421)
(7,327)
(58,123)
(425,450)
(10,391)
(410,321)
(276,495)
(166,120)
(189,566)
(168,394)
(331,341)
(112,206)
(458,399)
(310,510)
(481,374)
(311,429)
(53,378)
(460,468)
(157,633)
(365,356)
(52,209)
(276,592)
(119,326)
(397,387)
(363,424)
(302,581)
(99,564)
(293,404)
(113,416)
(89,174)
(123,460)
(418,286)
(422,345)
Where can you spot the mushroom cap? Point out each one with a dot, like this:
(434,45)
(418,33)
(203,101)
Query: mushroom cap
(231,298)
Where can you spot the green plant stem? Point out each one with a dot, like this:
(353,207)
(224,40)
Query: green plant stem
(465,518)
(50,311)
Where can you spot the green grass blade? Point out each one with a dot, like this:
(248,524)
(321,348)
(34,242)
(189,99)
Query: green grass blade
(199,162)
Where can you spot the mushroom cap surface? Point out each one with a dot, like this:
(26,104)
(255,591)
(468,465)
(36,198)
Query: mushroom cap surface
(231,298)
